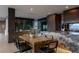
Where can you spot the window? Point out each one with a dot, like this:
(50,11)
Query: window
(74,26)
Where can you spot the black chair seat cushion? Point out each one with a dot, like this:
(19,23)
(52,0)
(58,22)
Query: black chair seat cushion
(24,47)
(48,50)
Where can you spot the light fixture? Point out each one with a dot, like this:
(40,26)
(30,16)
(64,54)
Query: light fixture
(31,9)
(67,7)
(49,13)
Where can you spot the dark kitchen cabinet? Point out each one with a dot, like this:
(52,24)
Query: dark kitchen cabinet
(71,15)
(54,22)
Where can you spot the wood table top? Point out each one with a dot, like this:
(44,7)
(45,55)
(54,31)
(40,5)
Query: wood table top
(34,40)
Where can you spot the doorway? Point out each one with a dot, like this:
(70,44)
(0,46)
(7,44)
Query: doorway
(3,31)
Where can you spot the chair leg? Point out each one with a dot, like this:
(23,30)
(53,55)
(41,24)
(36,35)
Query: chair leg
(18,52)
(29,51)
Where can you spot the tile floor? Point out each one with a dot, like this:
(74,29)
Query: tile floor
(6,47)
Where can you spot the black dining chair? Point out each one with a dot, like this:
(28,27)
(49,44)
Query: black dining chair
(51,47)
(22,46)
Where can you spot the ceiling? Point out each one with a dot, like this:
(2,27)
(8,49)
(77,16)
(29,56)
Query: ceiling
(39,11)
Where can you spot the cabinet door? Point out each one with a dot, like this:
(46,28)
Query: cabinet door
(71,15)
(58,22)
(54,22)
(51,23)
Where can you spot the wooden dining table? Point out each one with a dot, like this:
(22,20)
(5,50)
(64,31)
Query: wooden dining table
(36,42)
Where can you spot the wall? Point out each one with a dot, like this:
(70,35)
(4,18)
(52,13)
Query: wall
(3,11)
(4,15)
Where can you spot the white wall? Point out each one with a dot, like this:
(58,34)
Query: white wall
(4,16)
(3,10)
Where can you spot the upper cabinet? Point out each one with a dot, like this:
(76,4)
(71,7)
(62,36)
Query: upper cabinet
(71,15)
(54,22)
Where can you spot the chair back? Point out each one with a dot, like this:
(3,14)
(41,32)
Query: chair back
(53,44)
(17,43)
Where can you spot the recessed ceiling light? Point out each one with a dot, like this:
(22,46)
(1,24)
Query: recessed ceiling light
(67,7)
(49,13)
(31,9)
